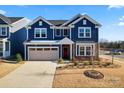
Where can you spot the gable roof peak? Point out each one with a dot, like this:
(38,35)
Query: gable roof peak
(76,16)
(37,19)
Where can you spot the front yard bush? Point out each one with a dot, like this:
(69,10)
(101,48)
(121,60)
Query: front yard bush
(61,61)
(105,64)
(86,63)
(74,61)
(18,57)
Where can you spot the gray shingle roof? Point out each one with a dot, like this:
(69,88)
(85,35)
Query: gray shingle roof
(57,22)
(9,20)
(14,19)
(5,19)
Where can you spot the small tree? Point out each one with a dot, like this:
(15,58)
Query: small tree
(92,59)
(112,57)
(18,57)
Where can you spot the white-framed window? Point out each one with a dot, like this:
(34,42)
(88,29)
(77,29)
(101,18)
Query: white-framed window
(84,22)
(3,31)
(57,32)
(65,32)
(88,50)
(83,50)
(37,33)
(40,23)
(40,33)
(84,32)
(43,32)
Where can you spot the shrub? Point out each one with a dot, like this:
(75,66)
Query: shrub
(96,63)
(61,61)
(74,61)
(106,64)
(86,63)
(18,57)
(90,63)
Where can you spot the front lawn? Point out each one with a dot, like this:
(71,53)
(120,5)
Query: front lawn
(74,78)
(6,68)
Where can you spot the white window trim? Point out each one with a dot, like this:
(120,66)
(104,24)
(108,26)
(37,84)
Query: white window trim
(84,22)
(56,33)
(40,23)
(85,45)
(1,31)
(40,32)
(84,32)
(85,51)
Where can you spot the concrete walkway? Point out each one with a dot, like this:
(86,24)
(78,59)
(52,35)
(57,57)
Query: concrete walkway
(31,75)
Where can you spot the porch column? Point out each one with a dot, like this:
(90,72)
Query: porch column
(3,48)
(61,51)
(70,32)
(25,51)
(70,51)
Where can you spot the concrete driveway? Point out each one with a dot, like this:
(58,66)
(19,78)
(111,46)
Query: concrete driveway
(32,74)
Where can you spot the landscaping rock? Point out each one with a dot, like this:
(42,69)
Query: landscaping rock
(93,74)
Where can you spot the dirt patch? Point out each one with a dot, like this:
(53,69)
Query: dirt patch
(74,78)
(6,68)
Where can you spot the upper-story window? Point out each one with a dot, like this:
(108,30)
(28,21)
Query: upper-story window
(65,32)
(57,32)
(40,23)
(43,33)
(37,32)
(84,32)
(3,31)
(40,33)
(84,22)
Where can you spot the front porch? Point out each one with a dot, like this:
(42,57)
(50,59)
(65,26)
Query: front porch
(4,48)
(66,48)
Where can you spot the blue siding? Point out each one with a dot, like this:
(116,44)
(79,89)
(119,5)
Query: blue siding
(74,32)
(36,25)
(17,39)
(7,36)
(94,31)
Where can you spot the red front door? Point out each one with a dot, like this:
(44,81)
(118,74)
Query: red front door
(66,54)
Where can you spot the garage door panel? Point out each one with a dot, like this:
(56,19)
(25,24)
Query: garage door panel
(44,54)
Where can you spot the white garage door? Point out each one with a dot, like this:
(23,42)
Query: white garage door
(51,53)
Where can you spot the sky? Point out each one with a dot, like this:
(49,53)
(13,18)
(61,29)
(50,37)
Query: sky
(110,16)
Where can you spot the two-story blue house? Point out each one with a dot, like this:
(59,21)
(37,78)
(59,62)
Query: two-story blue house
(54,39)
(12,35)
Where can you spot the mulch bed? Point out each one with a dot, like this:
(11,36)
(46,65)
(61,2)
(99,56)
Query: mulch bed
(81,66)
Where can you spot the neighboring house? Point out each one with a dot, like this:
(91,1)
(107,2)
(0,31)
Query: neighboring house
(11,35)
(54,39)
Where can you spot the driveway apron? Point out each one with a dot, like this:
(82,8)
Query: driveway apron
(32,74)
